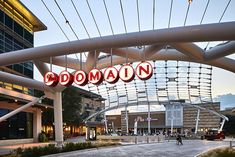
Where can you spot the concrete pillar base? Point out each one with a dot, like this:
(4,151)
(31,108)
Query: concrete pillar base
(59,143)
(58,118)
(37,124)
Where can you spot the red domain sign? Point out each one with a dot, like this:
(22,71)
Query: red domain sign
(126,73)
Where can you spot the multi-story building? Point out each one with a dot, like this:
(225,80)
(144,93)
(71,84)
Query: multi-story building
(90,104)
(184,118)
(17,27)
(207,119)
(117,123)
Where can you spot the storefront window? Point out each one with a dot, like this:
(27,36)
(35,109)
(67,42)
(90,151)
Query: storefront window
(17,126)
(3,125)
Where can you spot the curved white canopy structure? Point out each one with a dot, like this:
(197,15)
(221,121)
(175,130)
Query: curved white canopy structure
(153,102)
(168,43)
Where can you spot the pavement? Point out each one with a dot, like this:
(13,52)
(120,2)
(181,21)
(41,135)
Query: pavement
(190,148)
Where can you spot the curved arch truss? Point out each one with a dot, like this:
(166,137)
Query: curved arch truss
(172,80)
(178,80)
(159,103)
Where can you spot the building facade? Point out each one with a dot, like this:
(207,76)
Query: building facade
(17,27)
(90,104)
(207,120)
(184,118)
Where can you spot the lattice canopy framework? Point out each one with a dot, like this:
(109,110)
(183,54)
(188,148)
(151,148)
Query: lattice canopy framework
(132,31)
(171,34)
(171,81)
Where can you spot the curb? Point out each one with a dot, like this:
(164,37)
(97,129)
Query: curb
(208,150)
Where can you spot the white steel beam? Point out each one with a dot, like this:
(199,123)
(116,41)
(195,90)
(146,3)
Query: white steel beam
(149,120)
(132,53)
(151,50)
(12,113)
(23,81)
(154,102)
(197,121)
(138,55)
(42,67)
(172,119)
(189,49)
(196,33)
(171,54)
(127,119)
(222,125)
(91,61)
(60,61)
(220,51)
(105,123)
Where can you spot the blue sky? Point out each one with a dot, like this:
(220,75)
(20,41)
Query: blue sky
(222,81)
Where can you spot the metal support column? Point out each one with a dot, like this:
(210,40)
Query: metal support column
(127,129)
(149,119)
(12,113)
(58,118)
(197,120)
(105,123)
(172,119)
(222,125)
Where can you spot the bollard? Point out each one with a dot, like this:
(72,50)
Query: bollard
(136,140)
(147,139)
(231,144)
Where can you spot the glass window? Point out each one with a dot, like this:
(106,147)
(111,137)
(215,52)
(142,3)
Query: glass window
(3,112)
(21,124)
(28,65)
(17,45)
(1,32)
(8,37)
(17,88)
(7,85)
(28,72)
(28,36)
(18,29)
(17,126)
(3,125)
(26,90)
(18,68)
(1,16)
(1,47)
(8,47)
(8,21)
(13,127)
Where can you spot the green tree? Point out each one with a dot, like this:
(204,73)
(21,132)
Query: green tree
(71,104)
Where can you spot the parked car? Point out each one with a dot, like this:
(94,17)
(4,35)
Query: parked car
(214,135)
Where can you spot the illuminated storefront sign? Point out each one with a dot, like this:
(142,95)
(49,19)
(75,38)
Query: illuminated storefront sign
(126,73)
